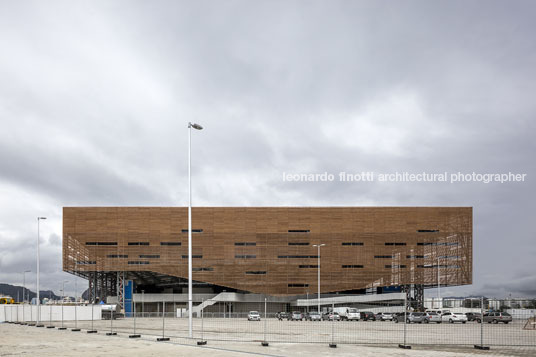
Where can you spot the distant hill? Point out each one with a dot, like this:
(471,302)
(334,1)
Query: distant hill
(16,292)
(464,297)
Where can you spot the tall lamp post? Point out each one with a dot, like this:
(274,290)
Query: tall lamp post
(142,303)
(197,127)
(438,286)
(63,299)
(63,290)
(24,293)
(318,256)
(38,298)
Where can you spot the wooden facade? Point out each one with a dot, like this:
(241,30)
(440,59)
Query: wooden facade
(270,249)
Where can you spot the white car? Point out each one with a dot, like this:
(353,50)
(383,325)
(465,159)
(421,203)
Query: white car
(254,316)
(453,317)
(347,313)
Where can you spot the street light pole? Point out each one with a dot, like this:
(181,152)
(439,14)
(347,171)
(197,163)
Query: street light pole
(63,299)
(63,290)
(24,295)
(438,286)
(318,256)
(190,321)
(38,297)
(24,285)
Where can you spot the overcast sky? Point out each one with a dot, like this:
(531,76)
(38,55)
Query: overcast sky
(95,97)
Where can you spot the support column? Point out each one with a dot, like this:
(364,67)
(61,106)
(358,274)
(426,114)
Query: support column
(90,296)
(94,287)
(101,289)
(419,296)
(407,289)
(120,289)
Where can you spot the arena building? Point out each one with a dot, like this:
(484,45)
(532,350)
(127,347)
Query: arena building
(242,254)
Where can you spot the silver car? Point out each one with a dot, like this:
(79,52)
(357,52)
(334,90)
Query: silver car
(314,316)
(296,316)
(432,316)
(334,316)
(416,317)
(496,317)
(384,316)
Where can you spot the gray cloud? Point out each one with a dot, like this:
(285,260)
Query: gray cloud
(523,284)
(95,98)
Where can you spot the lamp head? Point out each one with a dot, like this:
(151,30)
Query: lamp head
(195,126)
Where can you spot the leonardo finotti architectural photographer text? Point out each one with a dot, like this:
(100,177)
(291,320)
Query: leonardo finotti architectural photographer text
(369,176)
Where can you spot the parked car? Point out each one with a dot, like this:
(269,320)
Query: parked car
(367,315)
(399,317)
(472,316)
(296,316)
(282,315)
(496,317)
(347,313)
(254,316)
(384,316)
(334,316)
(453,317)
(330,315)
(432,316)
(416,317)
(314,316)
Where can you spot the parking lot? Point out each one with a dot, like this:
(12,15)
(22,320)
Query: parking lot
(25,340)
(340,332)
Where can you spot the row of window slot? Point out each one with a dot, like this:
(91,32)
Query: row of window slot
(146,256)
(309,231)
(344,266)
(132,243)
(252,256)
(198,230)
(289,243)
(427,256)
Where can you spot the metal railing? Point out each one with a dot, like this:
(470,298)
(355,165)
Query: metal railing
(486,323)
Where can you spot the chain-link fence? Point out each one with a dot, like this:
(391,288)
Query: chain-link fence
(486,322)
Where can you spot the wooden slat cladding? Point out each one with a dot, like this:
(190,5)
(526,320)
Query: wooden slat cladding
(356,255)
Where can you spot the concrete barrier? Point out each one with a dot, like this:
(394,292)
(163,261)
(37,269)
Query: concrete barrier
(20,313)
